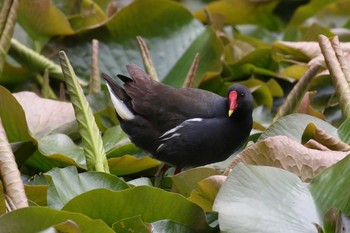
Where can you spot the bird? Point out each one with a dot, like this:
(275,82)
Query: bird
(182,127)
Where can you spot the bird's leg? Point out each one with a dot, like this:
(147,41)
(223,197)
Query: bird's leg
(164,168)
(160,174)
(178,170)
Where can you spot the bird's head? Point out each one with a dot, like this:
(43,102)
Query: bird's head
(239,97)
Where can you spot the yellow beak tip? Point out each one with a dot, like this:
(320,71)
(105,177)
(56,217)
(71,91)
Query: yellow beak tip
(230,113)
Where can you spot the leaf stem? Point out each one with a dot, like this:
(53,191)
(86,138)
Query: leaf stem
(10,175)
(95,79)
(147,60)
(191,75)
(335,60)
(8,17)
(292,102)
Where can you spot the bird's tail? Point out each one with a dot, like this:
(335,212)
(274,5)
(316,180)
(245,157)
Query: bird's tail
(119,98)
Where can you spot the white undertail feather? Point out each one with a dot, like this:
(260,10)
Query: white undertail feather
(120,107)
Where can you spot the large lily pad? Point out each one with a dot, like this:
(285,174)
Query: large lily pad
(265,199)
(152,204)
(128,164)
(186,181)
(42,19)
(170,31)
(57,150)
(293,126)
(331,188)
(243,12)
(36,219)
(67,183)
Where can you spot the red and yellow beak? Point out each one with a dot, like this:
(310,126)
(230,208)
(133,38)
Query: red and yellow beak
(232,99)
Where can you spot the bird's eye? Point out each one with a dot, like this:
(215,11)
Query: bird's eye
(242,94)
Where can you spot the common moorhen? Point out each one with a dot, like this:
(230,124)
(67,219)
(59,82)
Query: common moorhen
(181,126)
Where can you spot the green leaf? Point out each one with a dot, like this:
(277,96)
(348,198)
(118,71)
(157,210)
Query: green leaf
(293,126)
(265,199)
(13,118)
(128,164)
(57,150)
(33,61)
(89,16)
(294,72)
(117,143)
(205,194)
(186,181)
(2,200)
(243,12)
(37,194)
(171,33)
(167,226)
(331,188)
(13,74)
(68,226)
(258,62)
(295,51)
(344,131)
(36,219)
(92,142)
(308,10)
(67,183)
(133,224)
(262,95)
(152,204)
(41,19)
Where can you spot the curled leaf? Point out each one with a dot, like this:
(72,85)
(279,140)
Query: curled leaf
(10,174)
(332,54)
(205,194)
(321,136)
(292,102)
(90,134)
(283,152)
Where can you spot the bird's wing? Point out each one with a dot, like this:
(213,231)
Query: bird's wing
(155,100)
(196,141)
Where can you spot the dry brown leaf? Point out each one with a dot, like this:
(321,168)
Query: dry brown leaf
(312,144)
(305,106)
(324,138)
(285,153)
(45,116)
(311,49)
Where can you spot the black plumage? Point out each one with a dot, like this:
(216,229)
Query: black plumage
(181,126)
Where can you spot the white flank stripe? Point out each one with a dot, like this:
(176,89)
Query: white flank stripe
(120,107)
(160,146)
(174,135)
(195,119)
(173,130)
